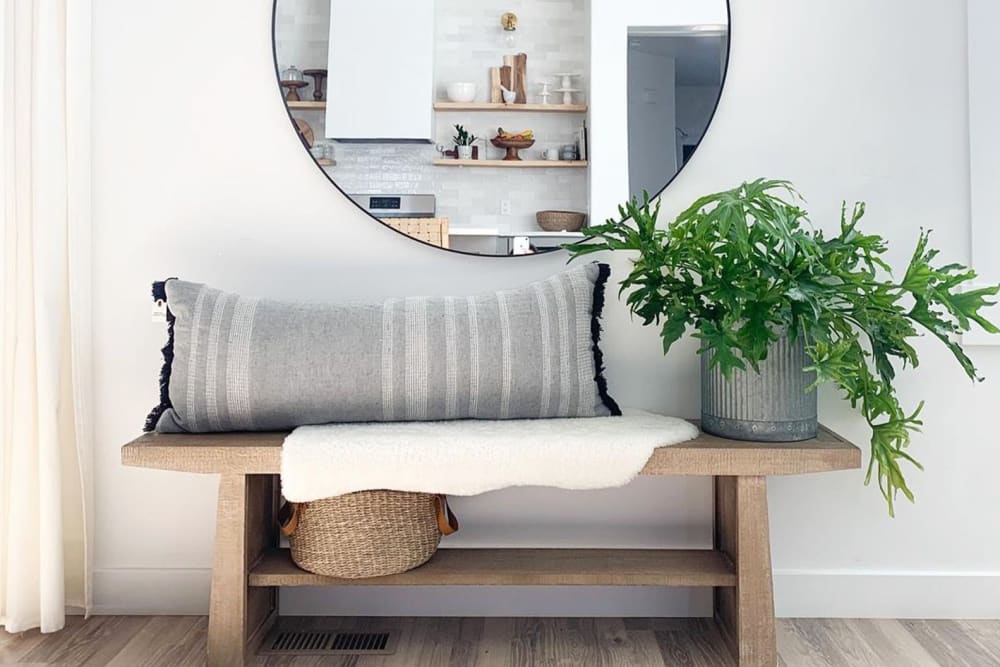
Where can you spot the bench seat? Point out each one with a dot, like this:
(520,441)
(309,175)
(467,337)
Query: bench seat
(260,454)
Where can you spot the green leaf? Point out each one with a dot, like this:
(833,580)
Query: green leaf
(672,330)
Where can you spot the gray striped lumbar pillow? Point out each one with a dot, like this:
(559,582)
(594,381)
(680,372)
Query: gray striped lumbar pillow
(239,364)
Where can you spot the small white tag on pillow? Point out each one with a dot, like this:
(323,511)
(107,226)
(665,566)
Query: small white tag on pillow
(159,311)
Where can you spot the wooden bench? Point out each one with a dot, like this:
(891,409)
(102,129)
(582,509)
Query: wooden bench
(249,566)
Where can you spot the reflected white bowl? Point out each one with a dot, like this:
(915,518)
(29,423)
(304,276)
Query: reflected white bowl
(461,92)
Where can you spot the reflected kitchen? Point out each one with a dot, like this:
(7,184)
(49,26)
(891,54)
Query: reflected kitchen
(464,125)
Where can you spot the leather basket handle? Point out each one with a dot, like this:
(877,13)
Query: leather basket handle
(288,518)
(446,519)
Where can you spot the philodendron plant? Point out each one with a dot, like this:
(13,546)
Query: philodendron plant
(742,265)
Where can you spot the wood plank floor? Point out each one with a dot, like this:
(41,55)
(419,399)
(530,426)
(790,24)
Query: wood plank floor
(171,641)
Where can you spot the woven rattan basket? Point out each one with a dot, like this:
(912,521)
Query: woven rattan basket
(366,534)
(560,221)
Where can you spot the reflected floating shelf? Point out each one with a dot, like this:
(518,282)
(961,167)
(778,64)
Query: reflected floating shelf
(523,164)
(491,106)
(306,104)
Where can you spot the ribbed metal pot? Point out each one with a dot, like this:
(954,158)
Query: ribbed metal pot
(771,405)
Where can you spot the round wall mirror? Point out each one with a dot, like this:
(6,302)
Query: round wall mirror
(473,127)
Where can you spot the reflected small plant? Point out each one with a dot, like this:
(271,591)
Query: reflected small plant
(463,137)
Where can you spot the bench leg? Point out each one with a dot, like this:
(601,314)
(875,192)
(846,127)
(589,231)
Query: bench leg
(239,616)
(746,612)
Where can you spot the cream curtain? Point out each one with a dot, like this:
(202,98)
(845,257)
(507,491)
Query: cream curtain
(45,311)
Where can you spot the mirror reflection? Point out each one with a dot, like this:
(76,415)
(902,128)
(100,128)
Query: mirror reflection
(468,126)
(675,78)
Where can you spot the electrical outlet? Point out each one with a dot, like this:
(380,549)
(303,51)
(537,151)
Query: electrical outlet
(504,207)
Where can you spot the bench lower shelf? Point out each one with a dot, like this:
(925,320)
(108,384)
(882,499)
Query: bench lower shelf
(526,567)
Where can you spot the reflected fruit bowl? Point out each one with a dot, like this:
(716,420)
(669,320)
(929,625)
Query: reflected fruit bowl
(512,146)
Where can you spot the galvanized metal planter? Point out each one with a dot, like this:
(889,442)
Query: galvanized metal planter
(771,405)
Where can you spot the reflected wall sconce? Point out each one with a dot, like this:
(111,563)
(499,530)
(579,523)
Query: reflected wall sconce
(508,38)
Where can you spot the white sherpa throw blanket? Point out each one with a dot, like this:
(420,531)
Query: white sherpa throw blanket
(468,457)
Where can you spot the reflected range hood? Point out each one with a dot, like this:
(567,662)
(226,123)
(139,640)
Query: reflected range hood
(380,85)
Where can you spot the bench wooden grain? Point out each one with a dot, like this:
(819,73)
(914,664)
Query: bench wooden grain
(249,566)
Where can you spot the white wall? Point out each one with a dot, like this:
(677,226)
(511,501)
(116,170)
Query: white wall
(204,180)
(984,134)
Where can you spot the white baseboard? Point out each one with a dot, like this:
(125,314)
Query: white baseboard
(879,594)
(798,594)
(135,591)
(979,338)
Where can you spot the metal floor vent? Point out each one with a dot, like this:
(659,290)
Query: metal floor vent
(328,642)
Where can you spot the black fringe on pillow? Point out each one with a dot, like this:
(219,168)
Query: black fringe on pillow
(604,272)
(160,294)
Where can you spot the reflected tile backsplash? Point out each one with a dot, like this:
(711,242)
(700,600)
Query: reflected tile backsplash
(468,197)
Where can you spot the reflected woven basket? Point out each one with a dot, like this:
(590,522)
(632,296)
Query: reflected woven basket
(366,534)
(560,221)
